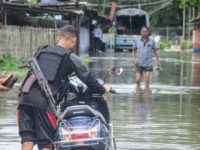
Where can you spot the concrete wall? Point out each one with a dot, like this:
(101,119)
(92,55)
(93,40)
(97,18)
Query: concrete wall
(197,38)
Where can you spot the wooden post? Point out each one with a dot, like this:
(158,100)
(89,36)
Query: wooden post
(55,23)
(197,37)
(167,34)
(5,15)
(104,7)
(183,30)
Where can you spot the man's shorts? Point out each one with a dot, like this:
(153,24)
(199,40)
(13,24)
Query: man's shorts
(36,125)
(141,69)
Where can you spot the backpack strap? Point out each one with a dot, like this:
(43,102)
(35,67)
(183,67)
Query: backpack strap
(62,91)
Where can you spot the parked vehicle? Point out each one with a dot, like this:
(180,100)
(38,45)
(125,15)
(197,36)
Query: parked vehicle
(128,24)
(85,122)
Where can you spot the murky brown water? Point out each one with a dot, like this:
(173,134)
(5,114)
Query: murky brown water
(166,118)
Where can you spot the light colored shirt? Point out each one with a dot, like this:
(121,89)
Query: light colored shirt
(157,38)
(144,51)
(97,32)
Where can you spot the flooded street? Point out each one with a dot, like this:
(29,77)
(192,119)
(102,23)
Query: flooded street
(165,118)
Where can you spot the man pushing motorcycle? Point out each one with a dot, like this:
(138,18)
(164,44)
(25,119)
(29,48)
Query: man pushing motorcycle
(36,121)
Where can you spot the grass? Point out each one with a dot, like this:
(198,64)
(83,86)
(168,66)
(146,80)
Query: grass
(9,64)
(86,59)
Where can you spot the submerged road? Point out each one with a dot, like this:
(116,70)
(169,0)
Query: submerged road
(166,118)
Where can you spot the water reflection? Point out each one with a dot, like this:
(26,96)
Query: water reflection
(158,122)
(141,106)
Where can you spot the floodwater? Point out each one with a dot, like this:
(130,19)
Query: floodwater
(167,117)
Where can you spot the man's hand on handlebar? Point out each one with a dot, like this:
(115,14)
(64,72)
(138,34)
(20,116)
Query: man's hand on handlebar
(107,87)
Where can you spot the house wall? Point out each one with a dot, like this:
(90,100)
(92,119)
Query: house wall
(197,38)
(196,57)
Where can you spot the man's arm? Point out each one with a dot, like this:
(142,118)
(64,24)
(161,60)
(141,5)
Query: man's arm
(156,54)
(134,53)
(134,56)
(101,34)
(85,76)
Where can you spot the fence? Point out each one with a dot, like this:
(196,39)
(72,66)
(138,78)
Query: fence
(23,41)
(172,34)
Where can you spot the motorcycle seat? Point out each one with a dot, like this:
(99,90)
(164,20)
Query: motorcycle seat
(80,110)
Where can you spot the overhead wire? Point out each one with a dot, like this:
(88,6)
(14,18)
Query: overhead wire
(142,3)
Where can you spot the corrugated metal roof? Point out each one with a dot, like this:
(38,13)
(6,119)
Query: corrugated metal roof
(131,12)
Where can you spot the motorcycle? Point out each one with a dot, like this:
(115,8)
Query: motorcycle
(85,122)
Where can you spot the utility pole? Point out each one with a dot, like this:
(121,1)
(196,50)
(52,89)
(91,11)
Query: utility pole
(183,30)
(139,6)
(104,7)
(189,24)
(120,2)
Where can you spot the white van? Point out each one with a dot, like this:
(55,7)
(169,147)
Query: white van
(128,24)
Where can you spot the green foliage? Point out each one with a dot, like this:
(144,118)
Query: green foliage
(189,45)
(184,4)
(163,44)
(9,63)
(111,30)
(185,44)
(86,59)
(154,20)
(22,73)
(34,1)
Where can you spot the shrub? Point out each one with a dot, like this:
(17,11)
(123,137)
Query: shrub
(9,63)
(185,44)
(163,44)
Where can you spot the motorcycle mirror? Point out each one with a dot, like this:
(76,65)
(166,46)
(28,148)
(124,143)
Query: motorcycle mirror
(116,71)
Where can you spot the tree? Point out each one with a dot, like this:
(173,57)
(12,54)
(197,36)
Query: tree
(174,14)
(190,4)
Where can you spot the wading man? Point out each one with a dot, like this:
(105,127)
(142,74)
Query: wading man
(144,48)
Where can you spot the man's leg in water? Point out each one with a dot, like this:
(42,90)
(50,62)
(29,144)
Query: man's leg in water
(138,77)
(147,77)
(26,127)
(27,145)
(36,125)
(45,128)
